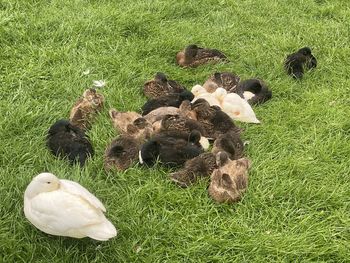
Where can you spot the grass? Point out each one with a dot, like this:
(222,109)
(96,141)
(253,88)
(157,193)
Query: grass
(297,207)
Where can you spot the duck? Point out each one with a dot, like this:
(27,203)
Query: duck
(296,62)
(172,148)
(121,153)
(193,56)
(201,166)
(230,180)
(65,208)
(231,143)
(65,140)
(183,110)
(214,121)
(181,123)
(132,124)
(225,80)
(161,86)
(86,108)
(255,91)
(238,109)
(201,93)
(173,100)
(121,120)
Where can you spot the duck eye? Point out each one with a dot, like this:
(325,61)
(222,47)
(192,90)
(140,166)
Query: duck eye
(48,182)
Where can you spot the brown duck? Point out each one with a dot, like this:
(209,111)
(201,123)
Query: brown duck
(161,86)
(200,166)
(231,143)
(121,153)
(230,180)
(225,80)
(193,56)
(214,121)
(86,108)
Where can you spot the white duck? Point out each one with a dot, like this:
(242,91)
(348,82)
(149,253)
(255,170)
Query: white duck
(238,109)
(201,93)
(65,208)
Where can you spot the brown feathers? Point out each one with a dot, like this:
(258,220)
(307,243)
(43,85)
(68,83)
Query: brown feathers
(86,108)
(193,56)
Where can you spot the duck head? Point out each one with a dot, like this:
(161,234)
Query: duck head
(44,182)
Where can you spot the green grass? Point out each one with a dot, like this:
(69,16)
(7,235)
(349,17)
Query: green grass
(297,206)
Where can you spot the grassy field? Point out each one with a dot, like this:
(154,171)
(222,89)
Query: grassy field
(297,207)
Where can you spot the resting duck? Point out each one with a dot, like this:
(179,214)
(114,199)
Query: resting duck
(255,91)
(214,121)
(231,143)
(158,114)
(200,166)
(180,123)
(161,86)
(225,80)
(173,100)
(296,62)
(86,108)
(68,141)
(132,124)
(230,180)
(193,56)
(172,148)
(121,153)
(65,208)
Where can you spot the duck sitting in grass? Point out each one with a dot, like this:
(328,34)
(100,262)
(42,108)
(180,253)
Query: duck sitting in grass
(161,86)
(132,124)
(297,62)
(230,180)
(68,141)
(200,166)
(86,108)
(173,100)
(180,123)
(231,143)
(65,208)
(121,153)
(158,114)
(230,103)
(193,56)
(214,121)
(225,80)
(255,91)
(171,148)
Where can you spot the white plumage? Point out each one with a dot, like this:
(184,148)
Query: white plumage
(230,103)
(65,208)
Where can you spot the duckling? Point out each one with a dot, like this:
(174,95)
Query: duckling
(161,86)
(173,148)
(214,121)
(230,180)
(255,91)
(173,100)
(296,62)
(184,110)
(198,90)
(86,108)
(193,56)
(68,141)
(225,80)
(238,108)
(201,166)
(121,120)
(65,208)
(180,123)
(121,153)
(231,143)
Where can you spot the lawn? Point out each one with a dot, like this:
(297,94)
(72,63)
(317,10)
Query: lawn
(297,207)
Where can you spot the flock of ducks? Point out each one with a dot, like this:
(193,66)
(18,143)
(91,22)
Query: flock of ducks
(193,131)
